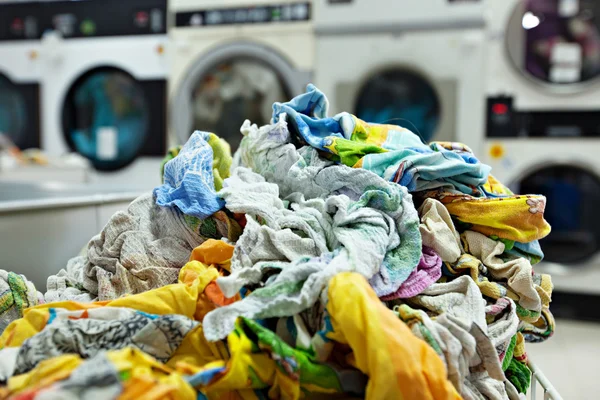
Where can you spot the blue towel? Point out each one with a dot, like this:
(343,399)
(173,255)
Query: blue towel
(189,181)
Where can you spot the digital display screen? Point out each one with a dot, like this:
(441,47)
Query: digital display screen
(249,15)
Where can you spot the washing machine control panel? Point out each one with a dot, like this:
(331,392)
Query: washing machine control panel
(300,11)
(19,21)
(504,120)
(96,18)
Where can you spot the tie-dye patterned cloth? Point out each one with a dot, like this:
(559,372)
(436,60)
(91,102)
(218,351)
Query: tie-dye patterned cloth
(392,152)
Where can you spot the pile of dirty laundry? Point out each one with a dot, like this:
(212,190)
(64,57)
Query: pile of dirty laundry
(329,256)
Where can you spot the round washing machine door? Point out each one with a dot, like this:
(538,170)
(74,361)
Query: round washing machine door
(106,118)
(400,97)
(19,113)
(573,195)
(233,83)
(556,42)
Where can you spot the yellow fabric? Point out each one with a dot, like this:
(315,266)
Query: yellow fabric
(141,368)
(189,370)
(213,252)
(209,259)
(237,375)
(144,377)
(221,159)
(493,185)
(519,352)
(260,361)
(518,218)
(44,374)
(180,298)
(376,134)
(399,365)
(196,350)
(544,289)
(467,262)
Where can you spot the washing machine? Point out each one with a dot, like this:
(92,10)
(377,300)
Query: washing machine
(375,16)
(104,81)
(543,124)
(411,64)
(20,73)
(232,59)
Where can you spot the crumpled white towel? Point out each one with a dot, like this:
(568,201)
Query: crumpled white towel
(304,243)
(460,331)
(517,271)
(463,304)
(438,232)
(269,151)
(460,298)
(139,249)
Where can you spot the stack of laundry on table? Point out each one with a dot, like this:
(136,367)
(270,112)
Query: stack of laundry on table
(329,257)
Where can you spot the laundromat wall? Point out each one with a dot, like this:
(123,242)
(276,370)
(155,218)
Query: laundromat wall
(93,93)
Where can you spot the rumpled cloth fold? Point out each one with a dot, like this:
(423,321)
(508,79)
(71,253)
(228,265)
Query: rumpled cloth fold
(398,364)
(516,272)
(127,373)
(391,152)
(261,359)
(438,232)
(16,294)
(87,332)
(518,218)
(460,335)
(188,299)
(428,271)
(193,177)
(139,249)
(304,244)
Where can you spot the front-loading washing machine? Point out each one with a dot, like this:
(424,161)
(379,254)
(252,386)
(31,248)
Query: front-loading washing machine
(104,82)
(375,16)
(405,66)
(20,73)
(232,59)
(543,124)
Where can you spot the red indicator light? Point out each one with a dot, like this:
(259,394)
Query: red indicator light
(499,109)
(141,17)
(17,24)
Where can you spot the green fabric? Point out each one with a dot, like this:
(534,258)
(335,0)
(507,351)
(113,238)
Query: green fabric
(350,152)
(519,375)
(527,314)
(16,295)
(293,362)
(508,356)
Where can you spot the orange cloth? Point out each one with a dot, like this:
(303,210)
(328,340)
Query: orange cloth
(213,252)
(216,255)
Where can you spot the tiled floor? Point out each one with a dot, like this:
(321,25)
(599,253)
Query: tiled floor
(571,359)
